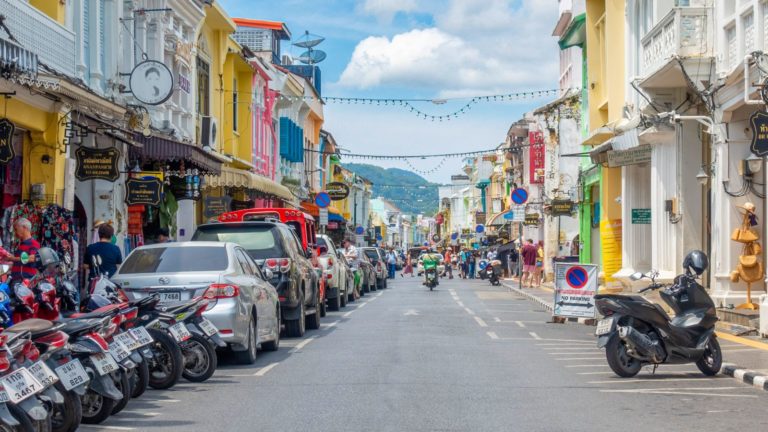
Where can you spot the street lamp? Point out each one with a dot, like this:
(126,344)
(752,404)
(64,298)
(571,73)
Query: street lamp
(752,164)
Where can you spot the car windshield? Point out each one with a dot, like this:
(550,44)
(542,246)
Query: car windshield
(175,259)
(260,241)
(371,253)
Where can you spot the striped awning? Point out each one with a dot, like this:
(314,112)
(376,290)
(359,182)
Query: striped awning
(233,177)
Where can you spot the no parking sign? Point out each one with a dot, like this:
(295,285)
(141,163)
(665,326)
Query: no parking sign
(575,289)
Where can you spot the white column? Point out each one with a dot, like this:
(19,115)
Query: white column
(664,233)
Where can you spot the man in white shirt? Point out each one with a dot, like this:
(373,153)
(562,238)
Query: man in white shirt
(353,258)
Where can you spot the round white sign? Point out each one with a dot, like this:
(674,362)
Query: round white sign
(151,82)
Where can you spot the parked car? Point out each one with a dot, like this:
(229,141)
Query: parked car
(380,266)
(369,274)
(244,306)
(276,247)
(336,288)
(345,273)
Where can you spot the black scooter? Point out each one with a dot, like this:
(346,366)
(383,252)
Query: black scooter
(637,332)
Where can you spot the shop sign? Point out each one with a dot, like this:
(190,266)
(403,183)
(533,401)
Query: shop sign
(184,84)
(333,225)
(531,219)
(637,155)
(536,156)
(151,82)
(144,191)
(759,122)
(562,207)
(480,218)
(236,205)
(93,163)
(641,216)
(214,206)
(337,191)
(6,141)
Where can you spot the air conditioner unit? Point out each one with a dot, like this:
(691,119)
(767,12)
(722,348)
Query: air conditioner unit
(209,133)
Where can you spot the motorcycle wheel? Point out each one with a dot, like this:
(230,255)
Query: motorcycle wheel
(123,383)
(142,379)
(25,423)
(96,408)
(621,363)
(200,360)
(710,363)
(168,364)
(66,417)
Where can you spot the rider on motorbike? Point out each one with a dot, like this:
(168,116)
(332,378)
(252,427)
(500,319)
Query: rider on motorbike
(430,260)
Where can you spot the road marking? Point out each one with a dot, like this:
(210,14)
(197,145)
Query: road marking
(650,380)
(492,335)
(142,413)
(534,335)
(302,344)
(118,428)
(469,311)
(572,353)
(362,305)
(411,312)
(742,341)
(497,319)
(589,365)
(460,303)
(346,314)
(380,294)
(329,325)
(263,371)
(480,322)
(563,348)
(671,392)
(579,358)
(594,373)
(741,350)
(571,342)
(373,299)
(520,324)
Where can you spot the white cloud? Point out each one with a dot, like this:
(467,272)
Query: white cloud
(385,10)
(475,47)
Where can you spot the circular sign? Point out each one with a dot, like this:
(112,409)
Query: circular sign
(576,277)
(359,230)
(379,237)
(426,243)
(480,228)
(519,196)
(509,215)
(151,82)
(323,200)
(337,191)
(454,236)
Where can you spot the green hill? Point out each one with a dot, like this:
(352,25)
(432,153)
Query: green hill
(409,191)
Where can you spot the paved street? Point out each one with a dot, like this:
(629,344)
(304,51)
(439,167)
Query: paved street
(467,357)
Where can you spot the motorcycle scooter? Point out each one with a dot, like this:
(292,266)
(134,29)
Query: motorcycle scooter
(637,332)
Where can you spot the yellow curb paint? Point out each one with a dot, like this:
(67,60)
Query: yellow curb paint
(743,341)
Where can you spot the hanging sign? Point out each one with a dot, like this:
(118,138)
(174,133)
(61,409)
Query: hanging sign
(214,206)
(337,191)
(151,82)
(143,191)
(536,156)
(92,163)
(562,207)
(759,122)
(184,84)
(531,219)
(6,141)
(480,218)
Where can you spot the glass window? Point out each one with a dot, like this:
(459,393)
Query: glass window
(261,242)
(234,105)
(244,264)
(176,259)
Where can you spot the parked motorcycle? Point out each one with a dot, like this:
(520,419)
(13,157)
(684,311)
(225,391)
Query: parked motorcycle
(493,271)
(637,332)
(482,267)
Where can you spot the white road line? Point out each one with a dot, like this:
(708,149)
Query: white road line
(672,392)
(469,311)
(497,319)
(520,324)
(480,322)
(570,342)
(373,299)
(650,380)
(579,358)
(263,371)
(741,350)
(362,305)
(460,303)
(553,347)
(492,335)
(380,294)
(142,413)
(571,353)
(534,335)
(302,344)
(595,373)
(346,314)
(329,325)
(586,366)
(117,428)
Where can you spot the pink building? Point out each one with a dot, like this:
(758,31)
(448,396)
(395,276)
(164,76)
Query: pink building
(265,143)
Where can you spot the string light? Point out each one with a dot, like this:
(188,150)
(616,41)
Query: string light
(423,156)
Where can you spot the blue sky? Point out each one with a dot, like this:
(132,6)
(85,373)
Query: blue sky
(422,49)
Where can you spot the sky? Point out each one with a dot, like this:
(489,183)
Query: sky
(423,49)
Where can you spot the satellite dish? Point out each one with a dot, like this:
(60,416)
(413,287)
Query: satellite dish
(312,57)
(309,40)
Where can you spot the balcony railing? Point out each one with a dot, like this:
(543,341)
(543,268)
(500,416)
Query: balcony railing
(684,32)
(38,33)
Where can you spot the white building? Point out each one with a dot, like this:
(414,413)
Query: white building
(454,200)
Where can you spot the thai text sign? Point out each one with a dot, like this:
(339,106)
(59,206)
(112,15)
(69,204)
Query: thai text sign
(536,156)
(92,163)
(759,122)
(562,207)
(637,155)
(143,191)
(337,191)
(6,141)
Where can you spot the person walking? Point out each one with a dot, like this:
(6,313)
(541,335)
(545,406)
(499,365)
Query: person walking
(514,257)
(529,254)
(391,263)
(539,271)
(463,263)
(407,268)
(448,265)
(472,261)
(111,257)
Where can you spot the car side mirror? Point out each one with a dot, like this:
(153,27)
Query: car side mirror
(636,276)
(268,275)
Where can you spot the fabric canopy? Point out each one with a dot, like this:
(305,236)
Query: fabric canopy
(233,177)
(163,149)
(333,217)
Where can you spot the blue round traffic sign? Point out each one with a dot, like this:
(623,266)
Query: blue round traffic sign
(359,230)
(576,277)
(323,200)
(480,228)
(519,196)
(379,237)
(454,236)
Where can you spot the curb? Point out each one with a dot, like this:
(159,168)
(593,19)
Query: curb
(547,305)
(755,379)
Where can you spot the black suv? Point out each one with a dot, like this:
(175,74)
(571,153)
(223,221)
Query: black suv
(275,247)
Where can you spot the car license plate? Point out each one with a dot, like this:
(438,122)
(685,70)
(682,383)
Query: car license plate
(104,363)
(604,326)
(119,351)
(208,328)
(142,336)
(128,341)
(72,374)
(20,384)
(43,373)
(180,332)
(169,297)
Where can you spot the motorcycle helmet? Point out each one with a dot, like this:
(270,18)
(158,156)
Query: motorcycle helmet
(695,262)
(47,256)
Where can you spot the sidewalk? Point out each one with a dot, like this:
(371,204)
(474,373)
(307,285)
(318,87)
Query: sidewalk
(744,358)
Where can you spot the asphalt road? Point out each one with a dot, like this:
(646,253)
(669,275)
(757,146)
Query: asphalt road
(466,357)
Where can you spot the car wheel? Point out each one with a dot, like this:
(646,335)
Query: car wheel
(248,356)
(323,308)
(344,296)
(296,327)
(313,321)
(274,344)
(385,283)
(335,304)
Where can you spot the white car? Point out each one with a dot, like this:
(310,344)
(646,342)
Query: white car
(336,284)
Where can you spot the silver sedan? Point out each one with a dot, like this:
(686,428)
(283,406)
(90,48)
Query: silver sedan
(244,306)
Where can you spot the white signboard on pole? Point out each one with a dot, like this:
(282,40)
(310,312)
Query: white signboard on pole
(519,213)
(575,289)
(324,216)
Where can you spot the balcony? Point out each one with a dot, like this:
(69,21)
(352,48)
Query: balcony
(39,34)
(673,48)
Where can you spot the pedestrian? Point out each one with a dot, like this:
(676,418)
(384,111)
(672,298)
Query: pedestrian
(407,268)
(463,263)
(448,266)
(472,261)
(529,253)
(163,236)
(24,256)
(391,263)
(110,255)
(353,258)
(539,272)
(513,258)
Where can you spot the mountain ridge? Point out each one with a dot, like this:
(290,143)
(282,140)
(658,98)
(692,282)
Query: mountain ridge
(412,193)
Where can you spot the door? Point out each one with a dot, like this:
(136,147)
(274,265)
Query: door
(248,284)
(266,300)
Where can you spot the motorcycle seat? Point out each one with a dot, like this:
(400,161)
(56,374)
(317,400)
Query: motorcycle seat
(74,327)
(102,312)
(37,327)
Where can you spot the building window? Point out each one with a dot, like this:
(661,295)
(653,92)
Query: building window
(731,44)
(203,87)
(234,105)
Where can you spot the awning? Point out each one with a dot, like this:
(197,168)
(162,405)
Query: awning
(333,217)
(314,210)
(163,149)
(233,177)
(575,34)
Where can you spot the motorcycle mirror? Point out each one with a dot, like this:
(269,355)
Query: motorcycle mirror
(636,276)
